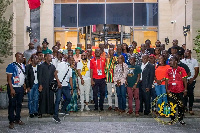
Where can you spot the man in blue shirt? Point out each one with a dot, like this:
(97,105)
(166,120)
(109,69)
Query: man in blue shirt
(15,77)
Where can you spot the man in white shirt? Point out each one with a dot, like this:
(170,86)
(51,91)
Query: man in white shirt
(64,75)
(194,69)
(84,80)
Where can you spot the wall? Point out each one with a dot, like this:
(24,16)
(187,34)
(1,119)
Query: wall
(165,17)
(47,22)
(178,14)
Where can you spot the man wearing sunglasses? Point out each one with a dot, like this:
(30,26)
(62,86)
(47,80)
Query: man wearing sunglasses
(84,80)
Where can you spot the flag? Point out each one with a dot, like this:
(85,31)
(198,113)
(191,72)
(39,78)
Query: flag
(33,4)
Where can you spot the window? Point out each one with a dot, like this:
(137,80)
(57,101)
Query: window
(119,14)
(146,0)
(91,14)
(65,1)
(146,14)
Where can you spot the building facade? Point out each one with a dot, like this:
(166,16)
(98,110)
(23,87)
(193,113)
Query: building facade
(76,20)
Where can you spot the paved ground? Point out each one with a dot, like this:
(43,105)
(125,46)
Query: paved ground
(92,122)
(95,122)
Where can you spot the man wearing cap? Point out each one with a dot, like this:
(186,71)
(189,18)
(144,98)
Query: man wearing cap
(45,49)
(77,56)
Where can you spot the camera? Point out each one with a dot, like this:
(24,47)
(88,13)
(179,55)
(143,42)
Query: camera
(173,21)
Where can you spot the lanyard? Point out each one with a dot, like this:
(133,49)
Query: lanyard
(174,74)
(100,63)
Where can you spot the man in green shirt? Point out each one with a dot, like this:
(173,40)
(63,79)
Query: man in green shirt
(45,49)
(133,77)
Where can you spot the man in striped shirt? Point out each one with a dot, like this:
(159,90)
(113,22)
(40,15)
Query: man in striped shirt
(110,64)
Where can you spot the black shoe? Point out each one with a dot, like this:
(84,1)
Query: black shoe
(101,109)
(56,119)
(31,115)
(182,122)
(39,115)
(95,109)
(146,113)
(35,114)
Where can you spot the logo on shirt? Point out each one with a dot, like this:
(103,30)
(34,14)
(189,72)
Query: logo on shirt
(131,72)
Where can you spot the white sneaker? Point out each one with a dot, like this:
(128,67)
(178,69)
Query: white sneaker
(81,109)
(87,108)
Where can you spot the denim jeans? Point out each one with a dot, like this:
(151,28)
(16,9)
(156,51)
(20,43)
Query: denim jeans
(15,103)
(160,89)
(33,96)
(121,94)
(65,90)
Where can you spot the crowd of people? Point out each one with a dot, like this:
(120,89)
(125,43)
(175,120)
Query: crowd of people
(128,71)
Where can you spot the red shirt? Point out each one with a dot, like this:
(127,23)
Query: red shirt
(98,64)
(176,86)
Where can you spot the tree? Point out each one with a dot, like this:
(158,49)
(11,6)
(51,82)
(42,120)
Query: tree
(6,33)
(197,45)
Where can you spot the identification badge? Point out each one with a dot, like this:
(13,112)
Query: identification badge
(173,83)
(16,79)
(99,72)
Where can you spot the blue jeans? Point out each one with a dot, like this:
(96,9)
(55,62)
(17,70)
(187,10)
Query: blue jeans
(65,90)
(121,94)
(160,89)
(15,103)
(33,96)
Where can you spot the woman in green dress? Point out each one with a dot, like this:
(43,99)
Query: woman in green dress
(73,106)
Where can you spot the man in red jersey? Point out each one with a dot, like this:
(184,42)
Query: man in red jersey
(176,84)
(97,74)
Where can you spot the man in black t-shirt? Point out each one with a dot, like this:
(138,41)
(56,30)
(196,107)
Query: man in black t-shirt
(180,50)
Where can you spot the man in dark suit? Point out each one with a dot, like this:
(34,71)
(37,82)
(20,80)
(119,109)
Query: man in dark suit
(147,78)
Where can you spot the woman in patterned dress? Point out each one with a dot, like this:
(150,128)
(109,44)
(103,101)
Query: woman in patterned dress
(73,106)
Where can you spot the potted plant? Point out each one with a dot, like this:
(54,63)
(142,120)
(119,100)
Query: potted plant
(3,97)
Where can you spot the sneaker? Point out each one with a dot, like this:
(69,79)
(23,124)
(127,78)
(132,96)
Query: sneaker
(56,119)
(182,122)
(129,112)
(62,112)
(81,109)
(67,113)
(87,108)
(11,125)
(31,115)
(137,114)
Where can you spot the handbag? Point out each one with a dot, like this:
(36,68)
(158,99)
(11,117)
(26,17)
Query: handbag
(54,84)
